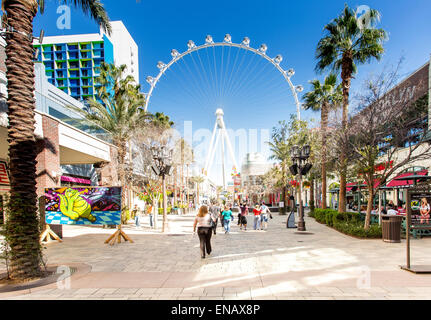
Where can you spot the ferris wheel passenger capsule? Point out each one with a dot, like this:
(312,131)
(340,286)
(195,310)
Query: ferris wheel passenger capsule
(263,48)
(191,44)
(246,41)
(161,65)
(278,59)
(209,39)
(290,72)
(174,53)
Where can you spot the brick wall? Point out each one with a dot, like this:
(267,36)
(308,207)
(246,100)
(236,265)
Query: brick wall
(108,173)
(48,162)
(48,158)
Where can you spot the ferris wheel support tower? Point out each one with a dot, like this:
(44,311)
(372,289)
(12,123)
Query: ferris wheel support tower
(222,133)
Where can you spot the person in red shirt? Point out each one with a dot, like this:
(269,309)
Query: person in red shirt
(257,211)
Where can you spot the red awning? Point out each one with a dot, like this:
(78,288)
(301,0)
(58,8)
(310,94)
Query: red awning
(75,180)
(349,186)
(404,183)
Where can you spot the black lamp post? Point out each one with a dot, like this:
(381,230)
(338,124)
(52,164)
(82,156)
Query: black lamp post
(300,166)
(162,167)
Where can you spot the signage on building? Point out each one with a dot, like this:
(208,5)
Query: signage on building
(4,176)
(408,91)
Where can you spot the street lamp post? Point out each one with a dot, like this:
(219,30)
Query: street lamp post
(162,168)
(300,166)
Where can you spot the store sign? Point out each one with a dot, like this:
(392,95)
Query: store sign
(83,205)
(4,177)
(420,205)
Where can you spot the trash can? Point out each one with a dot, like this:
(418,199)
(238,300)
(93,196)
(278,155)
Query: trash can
(391,228)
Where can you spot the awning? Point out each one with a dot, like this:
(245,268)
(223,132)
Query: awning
(405,183)
(75,180)
(351,185)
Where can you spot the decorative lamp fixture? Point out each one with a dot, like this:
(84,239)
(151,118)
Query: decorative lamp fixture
(306,151)
(299,88)
(209,39)
(191,44)
(154,152)
(174,53)
(295,151)
(263,48)
(246,41)
(278,59)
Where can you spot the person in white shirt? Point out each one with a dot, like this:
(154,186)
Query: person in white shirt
(391,211)
(204,226)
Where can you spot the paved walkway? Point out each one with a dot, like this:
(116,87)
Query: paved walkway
(275,264)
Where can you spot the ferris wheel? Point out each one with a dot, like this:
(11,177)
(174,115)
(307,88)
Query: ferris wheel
(197,63)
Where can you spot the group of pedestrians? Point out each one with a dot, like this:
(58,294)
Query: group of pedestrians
(261,215)
(206,222)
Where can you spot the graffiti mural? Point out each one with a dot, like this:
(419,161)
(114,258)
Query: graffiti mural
(83,205)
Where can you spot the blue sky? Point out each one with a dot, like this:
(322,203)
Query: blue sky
(290,28)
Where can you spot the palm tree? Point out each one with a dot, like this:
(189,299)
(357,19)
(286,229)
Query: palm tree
(198,180)
(349,42)
(22,230)
(322,97)
(281,152)
(121,112)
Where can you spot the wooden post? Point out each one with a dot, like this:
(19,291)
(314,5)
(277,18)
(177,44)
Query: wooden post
(48,234)
(380,207)
(116,237)
(408,222)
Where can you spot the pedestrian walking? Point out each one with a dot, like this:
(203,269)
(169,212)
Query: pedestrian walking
(256,212)
(243,217)
(203,223)
(150,214)
(137,214)
(227,218)
(264,216)
(215,212)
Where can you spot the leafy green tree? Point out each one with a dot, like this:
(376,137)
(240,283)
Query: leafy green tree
(281,153)
(323,97)
(23,228)
(349,41)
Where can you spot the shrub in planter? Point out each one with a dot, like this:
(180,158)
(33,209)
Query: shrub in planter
(355,228)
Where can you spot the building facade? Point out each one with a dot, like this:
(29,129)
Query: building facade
(72,62)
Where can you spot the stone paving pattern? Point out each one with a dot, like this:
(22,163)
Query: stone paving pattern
(275,264)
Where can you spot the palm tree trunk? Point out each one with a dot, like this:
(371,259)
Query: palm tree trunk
(121,145)
(324,125)
(369,206)
(22,229)
(312,203)
(346,75)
